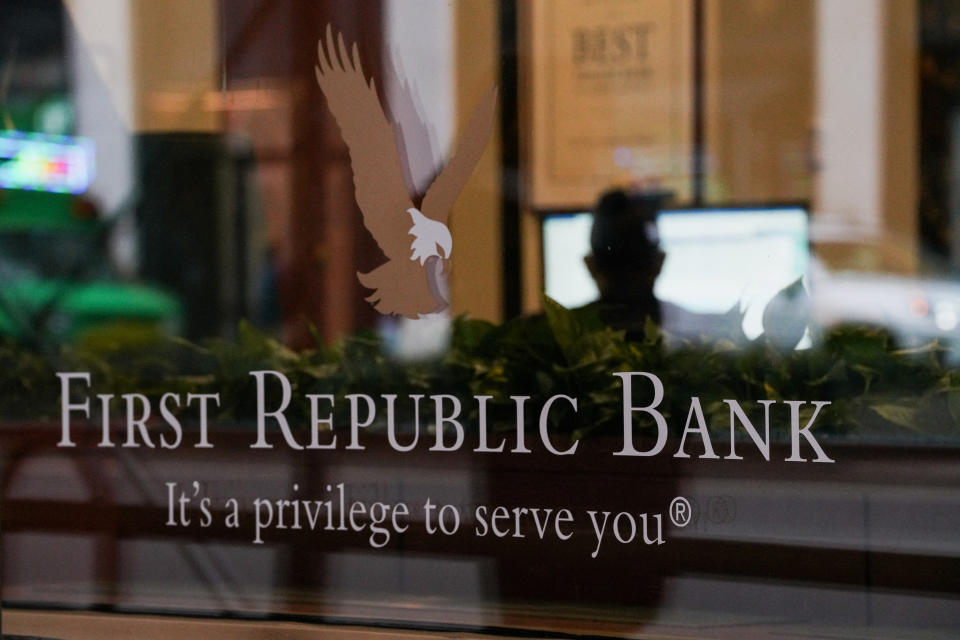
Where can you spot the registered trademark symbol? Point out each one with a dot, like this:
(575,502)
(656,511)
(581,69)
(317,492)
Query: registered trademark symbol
(680,512)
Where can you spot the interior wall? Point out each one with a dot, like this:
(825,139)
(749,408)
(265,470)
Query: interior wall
(175,78)
(759,90)
(475,221)
(899,103)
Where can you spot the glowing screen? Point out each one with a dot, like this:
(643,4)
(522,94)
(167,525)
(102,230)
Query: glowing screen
(39,162)
(716,258)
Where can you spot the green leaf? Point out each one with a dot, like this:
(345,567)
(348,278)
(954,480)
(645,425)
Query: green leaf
(563,324)
(953,404)
(868,373)
(652,333)
(899,414)
(836,373)
(469,334)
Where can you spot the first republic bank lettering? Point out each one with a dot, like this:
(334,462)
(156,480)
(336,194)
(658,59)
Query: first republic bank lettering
(450,432)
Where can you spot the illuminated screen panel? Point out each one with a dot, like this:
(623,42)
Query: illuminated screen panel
(39,162)
(566,241)
(715,258)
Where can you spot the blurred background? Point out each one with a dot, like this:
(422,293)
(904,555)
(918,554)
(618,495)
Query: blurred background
(175,162)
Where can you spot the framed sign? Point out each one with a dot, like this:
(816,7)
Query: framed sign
(611,97)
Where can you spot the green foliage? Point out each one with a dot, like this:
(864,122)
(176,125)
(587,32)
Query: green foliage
(28,382)
(875,389)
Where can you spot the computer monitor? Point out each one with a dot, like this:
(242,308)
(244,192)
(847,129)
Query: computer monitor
(566,240)
(716,257)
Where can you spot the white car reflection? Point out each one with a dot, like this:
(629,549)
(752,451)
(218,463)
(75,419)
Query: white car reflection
(869,284)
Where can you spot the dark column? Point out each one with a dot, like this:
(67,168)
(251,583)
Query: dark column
(328,242)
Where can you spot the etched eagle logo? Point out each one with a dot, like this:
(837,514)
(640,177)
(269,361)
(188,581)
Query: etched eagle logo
(412,282)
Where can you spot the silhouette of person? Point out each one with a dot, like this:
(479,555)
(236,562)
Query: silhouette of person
(625,261)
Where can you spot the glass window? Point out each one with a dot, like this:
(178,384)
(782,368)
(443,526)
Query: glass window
(604,318)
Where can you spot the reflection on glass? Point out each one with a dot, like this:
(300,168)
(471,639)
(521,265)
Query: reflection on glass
(178,211)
